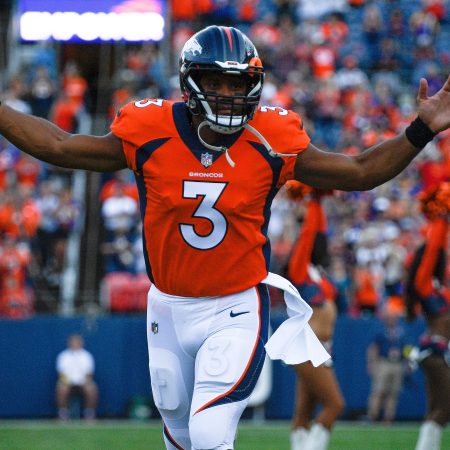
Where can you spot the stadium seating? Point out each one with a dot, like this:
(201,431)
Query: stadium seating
(123,292)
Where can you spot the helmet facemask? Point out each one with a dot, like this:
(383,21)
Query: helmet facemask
(239,109)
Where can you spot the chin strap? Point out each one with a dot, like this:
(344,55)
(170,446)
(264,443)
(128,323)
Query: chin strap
(224,149)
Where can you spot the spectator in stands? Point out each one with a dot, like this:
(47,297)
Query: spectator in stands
(335,30)
(373,32)
(47,202)
(365,296)
(75,367)
(385,365)
(327,113)
(19,215)
(64,113)
(350,75)
(119,213)
(119,210)
(16,299)
(394,266)
(247,12)
(120,180)
(342,282)
(28,170)
(15,95)
(424,27)
(42,92)
(118,252)
(190,222)
(427,291)
(315,385)
(437,8)
(397,24)
(323,58)
(74,85)
(66,215)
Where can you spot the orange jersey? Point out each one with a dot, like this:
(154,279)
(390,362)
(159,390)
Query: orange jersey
(205,222)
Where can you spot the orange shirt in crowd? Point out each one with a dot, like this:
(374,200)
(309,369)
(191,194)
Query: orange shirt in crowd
(20,221)
(27,171)
(75,87)
(365,292)
(188,10)
(110,188)
(13,263)
(323,60)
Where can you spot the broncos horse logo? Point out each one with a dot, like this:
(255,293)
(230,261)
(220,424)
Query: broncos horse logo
(192,46)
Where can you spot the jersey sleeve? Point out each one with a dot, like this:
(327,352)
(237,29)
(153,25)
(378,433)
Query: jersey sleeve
(124,127)
(284,131)
(139,122)
(297,141)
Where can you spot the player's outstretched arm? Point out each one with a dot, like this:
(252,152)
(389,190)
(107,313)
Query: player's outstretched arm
(45,141)
(383,161)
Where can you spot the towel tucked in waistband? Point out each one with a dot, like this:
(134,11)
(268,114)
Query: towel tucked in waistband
(294,341)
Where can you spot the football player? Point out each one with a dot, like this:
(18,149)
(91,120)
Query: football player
(207,170)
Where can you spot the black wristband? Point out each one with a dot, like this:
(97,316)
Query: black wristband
(418,133)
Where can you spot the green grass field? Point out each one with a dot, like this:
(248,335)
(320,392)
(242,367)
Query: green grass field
(125,435)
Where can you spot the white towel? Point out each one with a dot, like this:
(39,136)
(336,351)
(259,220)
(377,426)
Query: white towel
(294,340)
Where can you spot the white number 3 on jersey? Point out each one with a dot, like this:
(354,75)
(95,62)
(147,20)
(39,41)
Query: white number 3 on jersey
(206,210)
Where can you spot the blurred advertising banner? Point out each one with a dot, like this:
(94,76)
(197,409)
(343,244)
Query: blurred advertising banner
(91,21)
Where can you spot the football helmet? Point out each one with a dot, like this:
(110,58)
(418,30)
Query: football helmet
(228,51)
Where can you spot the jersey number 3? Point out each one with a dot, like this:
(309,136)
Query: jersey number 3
(210,193)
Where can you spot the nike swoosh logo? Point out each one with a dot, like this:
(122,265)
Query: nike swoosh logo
(232,314)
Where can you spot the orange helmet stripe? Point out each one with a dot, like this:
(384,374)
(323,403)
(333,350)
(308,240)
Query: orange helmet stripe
(228,33)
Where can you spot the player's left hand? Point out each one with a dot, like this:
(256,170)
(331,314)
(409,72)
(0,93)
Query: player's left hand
(434,110)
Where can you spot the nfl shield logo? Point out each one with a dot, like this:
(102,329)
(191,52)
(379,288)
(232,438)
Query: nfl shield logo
(155,327)
(206,159)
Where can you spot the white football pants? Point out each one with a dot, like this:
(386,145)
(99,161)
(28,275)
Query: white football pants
(205,357)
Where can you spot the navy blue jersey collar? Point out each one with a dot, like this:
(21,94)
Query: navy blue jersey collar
(189,136)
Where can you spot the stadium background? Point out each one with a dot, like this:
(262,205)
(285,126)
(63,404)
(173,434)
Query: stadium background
(350,68)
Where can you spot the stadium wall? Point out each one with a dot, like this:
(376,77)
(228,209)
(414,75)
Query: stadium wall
(28,351)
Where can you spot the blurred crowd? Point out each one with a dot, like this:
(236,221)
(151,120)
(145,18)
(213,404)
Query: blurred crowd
(350,68)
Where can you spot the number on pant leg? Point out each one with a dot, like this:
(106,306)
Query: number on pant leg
(217,363)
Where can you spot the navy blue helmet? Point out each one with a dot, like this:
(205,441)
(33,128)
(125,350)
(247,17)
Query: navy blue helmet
(228,51)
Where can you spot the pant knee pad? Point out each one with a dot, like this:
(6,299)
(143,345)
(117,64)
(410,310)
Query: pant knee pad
(169,393)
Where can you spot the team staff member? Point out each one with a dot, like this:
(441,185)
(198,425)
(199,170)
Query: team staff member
(75,367)
(427,287)
(207,170)
(307,271)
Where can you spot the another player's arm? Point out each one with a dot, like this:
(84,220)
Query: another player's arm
(379,163)
(45,141)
